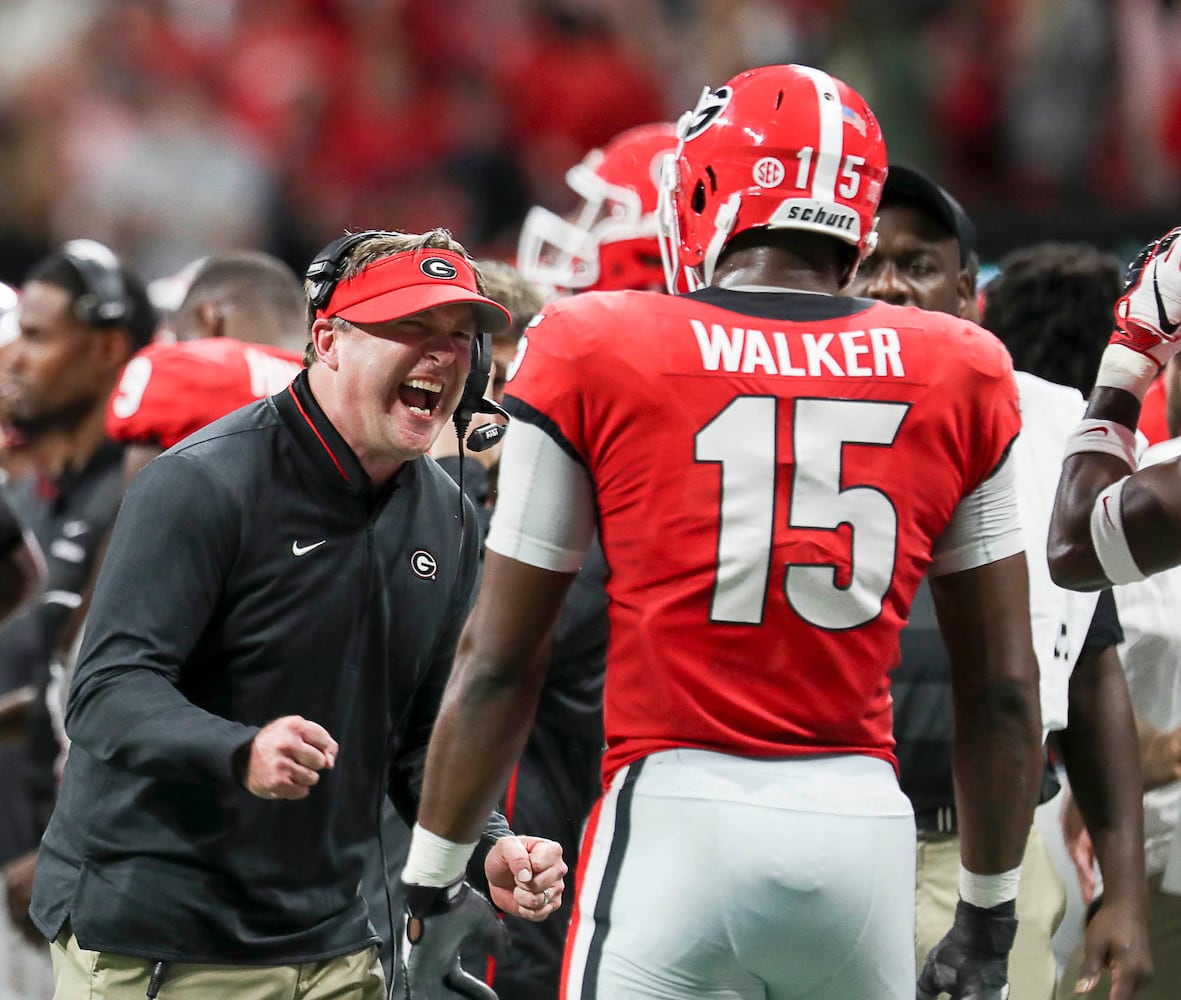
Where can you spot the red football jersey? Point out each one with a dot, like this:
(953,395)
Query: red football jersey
(771,472)
(167,391)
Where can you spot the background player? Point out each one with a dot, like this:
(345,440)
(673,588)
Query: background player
(608,242)
(1113,523)
(82,314)
(1048,305)
(240,332)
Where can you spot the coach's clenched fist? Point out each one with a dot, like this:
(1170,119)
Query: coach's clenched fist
(286,757)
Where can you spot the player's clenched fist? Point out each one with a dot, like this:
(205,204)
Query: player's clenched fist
(1148,314)
(972,960)
(286,758)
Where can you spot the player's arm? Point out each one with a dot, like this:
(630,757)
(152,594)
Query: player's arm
(488,707)
(484,720)
(1110,523)
(980,587)
(1101,754)
(997,765)
(997,761)
(542,526)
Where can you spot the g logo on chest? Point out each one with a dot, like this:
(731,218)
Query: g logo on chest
(424,564)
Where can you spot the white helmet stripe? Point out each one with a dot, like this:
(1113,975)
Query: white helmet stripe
(832,132)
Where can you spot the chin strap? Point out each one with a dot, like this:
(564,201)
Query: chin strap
(668,233)
(723,227)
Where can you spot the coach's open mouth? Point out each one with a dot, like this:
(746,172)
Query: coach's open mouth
(421,395)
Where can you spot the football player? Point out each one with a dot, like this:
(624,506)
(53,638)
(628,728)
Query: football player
(609,242)
(771,468)
(240,332)
(1113,523)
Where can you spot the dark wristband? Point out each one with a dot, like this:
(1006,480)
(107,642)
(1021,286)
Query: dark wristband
(988,931)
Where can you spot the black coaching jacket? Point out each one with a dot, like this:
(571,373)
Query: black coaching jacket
(253,573)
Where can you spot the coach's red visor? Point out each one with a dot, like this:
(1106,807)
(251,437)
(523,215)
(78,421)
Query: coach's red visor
(409,282)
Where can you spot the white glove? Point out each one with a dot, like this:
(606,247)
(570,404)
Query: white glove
(1148,314)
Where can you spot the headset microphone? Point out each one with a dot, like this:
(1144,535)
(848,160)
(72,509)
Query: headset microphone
(484,437)
(492,407)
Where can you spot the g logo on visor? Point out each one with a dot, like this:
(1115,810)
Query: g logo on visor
(438,267)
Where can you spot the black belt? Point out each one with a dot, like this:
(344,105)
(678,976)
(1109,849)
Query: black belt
(939,820)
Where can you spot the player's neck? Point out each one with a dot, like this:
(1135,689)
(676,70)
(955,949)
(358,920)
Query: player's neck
(777,268)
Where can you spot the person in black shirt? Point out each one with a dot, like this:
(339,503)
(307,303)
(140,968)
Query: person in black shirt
(81,317)
(267,643)
(926,256)
(22,579)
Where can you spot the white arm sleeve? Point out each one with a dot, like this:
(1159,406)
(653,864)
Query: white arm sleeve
(1108,538)
(985,527)
(545,508)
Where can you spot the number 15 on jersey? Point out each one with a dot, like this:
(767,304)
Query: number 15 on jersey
(742,440)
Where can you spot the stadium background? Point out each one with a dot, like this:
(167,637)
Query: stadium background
(173,128)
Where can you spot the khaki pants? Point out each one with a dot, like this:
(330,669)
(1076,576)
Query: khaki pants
(103,976)
(1041,904)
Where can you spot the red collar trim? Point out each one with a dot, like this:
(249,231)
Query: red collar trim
(315,430)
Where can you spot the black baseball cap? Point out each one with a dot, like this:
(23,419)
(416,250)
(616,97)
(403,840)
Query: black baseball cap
(913,187)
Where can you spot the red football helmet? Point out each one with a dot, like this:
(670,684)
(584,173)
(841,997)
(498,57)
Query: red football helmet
(785,147)
(612,241)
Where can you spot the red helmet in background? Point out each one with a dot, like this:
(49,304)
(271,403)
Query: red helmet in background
(781,147)
(611,242)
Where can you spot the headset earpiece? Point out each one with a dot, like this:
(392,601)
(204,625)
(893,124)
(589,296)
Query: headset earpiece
(84,308)
(473,400)
(328,265)
(104,301)
(476,384)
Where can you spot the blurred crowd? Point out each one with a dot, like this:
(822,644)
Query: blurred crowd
(173,128)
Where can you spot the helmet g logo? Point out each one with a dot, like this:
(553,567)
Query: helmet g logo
(437,267)
(706,113)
